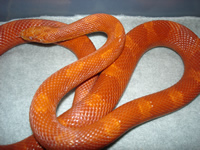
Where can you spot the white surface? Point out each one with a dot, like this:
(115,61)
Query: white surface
(25,67)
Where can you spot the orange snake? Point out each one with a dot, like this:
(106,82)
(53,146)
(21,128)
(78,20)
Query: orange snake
(98,126)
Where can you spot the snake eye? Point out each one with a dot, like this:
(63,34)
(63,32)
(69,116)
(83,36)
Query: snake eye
(30,38)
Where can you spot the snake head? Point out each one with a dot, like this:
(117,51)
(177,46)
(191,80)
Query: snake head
(41,34)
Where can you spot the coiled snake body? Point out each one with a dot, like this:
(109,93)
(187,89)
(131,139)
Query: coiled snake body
(91,123)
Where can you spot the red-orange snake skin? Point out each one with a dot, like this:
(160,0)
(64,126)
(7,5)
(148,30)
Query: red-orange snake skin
(92,123)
